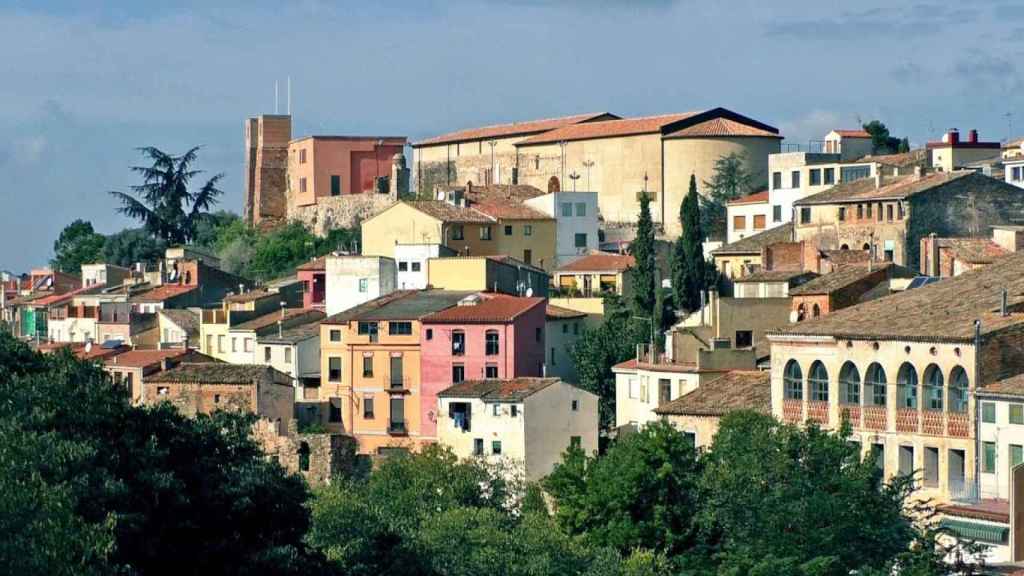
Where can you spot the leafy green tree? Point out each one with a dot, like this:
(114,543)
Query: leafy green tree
(165,205)
(209,229)
(132,245)
(644,492)
(77,244)
(688,275)
(730,180)
(881,141)
(904,146)
(642,276)
(798,495)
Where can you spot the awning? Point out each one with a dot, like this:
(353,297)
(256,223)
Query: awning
(977,531)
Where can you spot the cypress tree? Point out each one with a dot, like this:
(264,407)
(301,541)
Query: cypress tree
(642,250)
(692,251)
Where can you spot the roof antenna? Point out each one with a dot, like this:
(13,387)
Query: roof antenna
(275,98)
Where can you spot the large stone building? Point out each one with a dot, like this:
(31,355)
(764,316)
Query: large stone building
(618,158)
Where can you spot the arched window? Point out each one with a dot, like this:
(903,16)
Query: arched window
(793,381)
(801,312)
(304,457)
(817,381)
(958,390)
(491,343)
(554,185)
(867,247)
(906,387)
(816,311)
(876,381)
(844,247)
(933,387)
(849,384)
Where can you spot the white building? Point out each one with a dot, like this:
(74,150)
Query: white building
(1014,171)
(526,421)
(796,175)
(107,274)
(848,144)
(562,328)
(411,261)
(748,216)
(576,226)
(641,386)
(352,280)
(296,352)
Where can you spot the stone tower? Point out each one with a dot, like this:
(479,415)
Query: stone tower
(399,181)
(266,168)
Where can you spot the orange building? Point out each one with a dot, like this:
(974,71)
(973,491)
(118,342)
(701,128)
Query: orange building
(321,166)
(370,368)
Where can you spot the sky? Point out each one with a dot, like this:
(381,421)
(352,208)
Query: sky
(82,85)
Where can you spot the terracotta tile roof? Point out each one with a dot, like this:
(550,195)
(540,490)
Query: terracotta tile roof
(511,390)
(633,365)
(607,129)
(559,313)
(893,188)
(600,263)
(755,198)
(161,293)
(509,210)
(944,311)
(754,244)
(1012,386)
(840,258)
(95,352)
(143,358)
(736,390)
(722,127)
(849,275)
(218,373)
(52,299)
(914,157)
(852,133)
(973,250)
(446,212)
(187,320)
(493,308)
(989,509)
(314,264)
(402,305)
(794,277)
(518,192)
(291,317)
(512,129)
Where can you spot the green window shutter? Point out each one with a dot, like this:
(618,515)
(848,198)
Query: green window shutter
(988,462)
(1016,413)
(988,412)
(335,185)
(1016,454)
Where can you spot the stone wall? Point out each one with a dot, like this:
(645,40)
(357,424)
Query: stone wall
(347,211)
(319,458)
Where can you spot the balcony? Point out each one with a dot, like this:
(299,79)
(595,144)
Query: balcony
(398,384)
(875,418)
(851,413)
(907,420)
(792,411)
(217,316)
(817,411)
(397,428)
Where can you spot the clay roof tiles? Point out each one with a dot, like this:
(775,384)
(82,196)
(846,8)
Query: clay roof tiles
(446,212)
(736,390)
(893,188)
(143,358)
(492,309)
(753,244)
(843,277)
(755,198)
(559,313)
(162,293)
(511,129)
(217,373)
(600,263)
(722,127)
(608,128)
(853,133)
(510,390)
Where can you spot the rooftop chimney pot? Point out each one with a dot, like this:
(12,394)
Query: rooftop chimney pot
(972,136)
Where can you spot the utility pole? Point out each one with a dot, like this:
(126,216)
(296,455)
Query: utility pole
(574,177)
(588,164)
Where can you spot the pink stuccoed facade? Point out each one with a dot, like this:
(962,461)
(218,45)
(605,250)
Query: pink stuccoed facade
(520,353)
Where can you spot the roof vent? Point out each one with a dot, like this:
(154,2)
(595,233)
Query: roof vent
(471,300)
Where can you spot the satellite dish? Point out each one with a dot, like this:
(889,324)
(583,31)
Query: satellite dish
(529,292)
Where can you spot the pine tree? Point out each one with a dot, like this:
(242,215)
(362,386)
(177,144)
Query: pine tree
(692,251)
(642,250)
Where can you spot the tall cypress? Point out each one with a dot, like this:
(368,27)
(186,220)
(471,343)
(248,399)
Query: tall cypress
(692,250)
(642,250)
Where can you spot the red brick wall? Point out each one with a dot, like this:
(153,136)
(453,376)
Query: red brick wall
(1002,355)
(783,256)
(809,301)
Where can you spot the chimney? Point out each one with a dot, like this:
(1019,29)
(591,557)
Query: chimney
(879,177)
(1003,304)
(953,136)
(241,288)
(544,369)
(972,136)
(933,255)
(918,172)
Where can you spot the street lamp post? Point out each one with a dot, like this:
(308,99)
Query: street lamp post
(574,177)
(588,164)
(562,146)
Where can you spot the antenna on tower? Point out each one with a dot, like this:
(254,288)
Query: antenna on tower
(289,95)
(275,96)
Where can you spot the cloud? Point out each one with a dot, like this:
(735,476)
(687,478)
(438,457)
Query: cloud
(984,70)
(911,21)
(813,126)
(909,73)
(30,150)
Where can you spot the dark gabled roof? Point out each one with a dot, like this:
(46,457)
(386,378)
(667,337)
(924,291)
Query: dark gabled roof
(736,390)
(289,316)
(218,373)
(794,277)
(402,305)
(941,312)
(559,313)
(846,276)
(447,212)
(893,188)
(510,390)
(187,320)
(754,244)
(292,335)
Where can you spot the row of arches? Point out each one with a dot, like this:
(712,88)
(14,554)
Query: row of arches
(873,389)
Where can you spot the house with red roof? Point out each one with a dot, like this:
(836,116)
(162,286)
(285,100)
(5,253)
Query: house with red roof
(594,275)
(132,367)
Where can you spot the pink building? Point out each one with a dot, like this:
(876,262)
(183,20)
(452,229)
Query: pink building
(313,275)
(323,166)
(487,335)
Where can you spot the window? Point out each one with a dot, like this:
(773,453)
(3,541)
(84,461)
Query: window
(209,344)
(554,362)
(565,328)
(508,229)
(397,381)
(485,232)
(1016,174)
(776,180)
(527,230)
(817,381)
(879,211)
(868,213)
(478,446)
(958,390)
(367,329)
(302,156)
(664,390)
(288,355)
(491,371)
(514,410)
(879,452)
(234,344)
(888,212)
(805,215)
(537,334)
(580,240)
(849,384)
(877,381)
(988,412)
(528,256)
(1016,413)
(566,209)
(830,176)
(1016,455)
(334,411)
(575,442)
(906,387)
(216,398)
(793,381)
(581,209)
(162,390)
(739,222)
(931,466)
(933,388)
(458,373)
(403,266)
(335,185)
(334,369)
(368,366)
(415,266)
(795,179)
(899,212)
(776,213)
(302,184)
(247,344)
(850,173)
(575,406)
(400,328)
(988,457)
(575,328)
(496,447)
(430,333)
(815,176)
(457,232)
(860,211)
(758,221)
(496,410)
(335,335)
(266,353)
(744,338)
(491,343)
(906,463)
(368,408)
(458,343)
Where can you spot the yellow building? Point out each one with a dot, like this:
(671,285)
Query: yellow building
(740,257)
(485,229)
(487,274)
(370,370)
(697,413)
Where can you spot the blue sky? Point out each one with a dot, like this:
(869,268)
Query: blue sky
(84,85)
